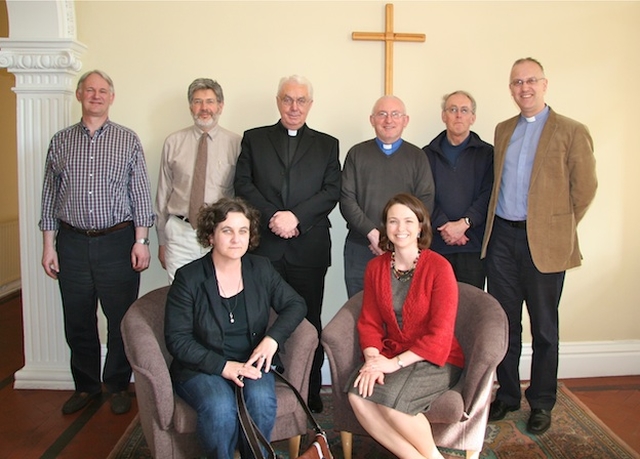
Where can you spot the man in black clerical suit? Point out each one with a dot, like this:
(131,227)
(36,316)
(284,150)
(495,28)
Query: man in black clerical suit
(291,174)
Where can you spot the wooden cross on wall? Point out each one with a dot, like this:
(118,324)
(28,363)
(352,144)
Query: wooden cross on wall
(388,36)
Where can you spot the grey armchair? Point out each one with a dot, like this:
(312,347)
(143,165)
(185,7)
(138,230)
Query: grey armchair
(459,416)
(168,423)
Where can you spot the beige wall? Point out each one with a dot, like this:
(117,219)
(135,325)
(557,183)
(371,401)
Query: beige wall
(8,157)
(153,50)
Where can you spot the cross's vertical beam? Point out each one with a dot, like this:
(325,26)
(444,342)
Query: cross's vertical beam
(388,36)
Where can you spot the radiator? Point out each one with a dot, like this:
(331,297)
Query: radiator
(9,253)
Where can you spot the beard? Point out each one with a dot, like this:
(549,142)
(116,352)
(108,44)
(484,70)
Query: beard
(205,123)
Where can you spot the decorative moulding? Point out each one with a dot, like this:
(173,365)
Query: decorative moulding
(20,56)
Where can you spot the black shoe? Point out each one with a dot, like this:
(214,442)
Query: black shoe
(539,421)
(499,409)
(315,403)
(120,402)
(78,401)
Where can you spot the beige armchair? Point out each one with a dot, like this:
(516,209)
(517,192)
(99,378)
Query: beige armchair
(168,423)
(459,416)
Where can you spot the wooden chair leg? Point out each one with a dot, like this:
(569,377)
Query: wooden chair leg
(294,447)
(473,454)
(347,443)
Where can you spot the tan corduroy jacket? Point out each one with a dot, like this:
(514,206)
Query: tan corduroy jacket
(563,184)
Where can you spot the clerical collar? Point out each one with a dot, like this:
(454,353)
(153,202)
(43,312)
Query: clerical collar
(388,148)
(291,132)
(541,116)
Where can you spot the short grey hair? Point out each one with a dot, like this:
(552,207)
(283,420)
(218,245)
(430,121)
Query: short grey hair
(296,79)
(528,59)
(102,74)
(445,98)
(205,83)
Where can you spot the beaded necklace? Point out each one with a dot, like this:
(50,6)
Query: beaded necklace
(406,275)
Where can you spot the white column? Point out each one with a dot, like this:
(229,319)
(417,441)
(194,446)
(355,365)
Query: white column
(45,72)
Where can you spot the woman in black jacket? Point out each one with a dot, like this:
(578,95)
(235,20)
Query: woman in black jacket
(216,327)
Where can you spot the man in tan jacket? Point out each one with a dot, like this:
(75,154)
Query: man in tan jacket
(545,179)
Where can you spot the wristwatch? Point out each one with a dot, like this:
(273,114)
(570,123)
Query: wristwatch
(467,220)
(144,241)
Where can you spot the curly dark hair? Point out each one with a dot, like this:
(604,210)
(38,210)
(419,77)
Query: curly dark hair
(210,216)
(418,208)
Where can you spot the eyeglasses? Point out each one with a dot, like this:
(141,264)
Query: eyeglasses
(529,81)
(394,115)
(289,101)
(454,110)
(204,101)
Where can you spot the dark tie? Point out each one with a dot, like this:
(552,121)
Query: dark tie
(196,199)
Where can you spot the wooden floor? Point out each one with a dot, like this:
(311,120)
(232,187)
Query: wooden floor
(32,425)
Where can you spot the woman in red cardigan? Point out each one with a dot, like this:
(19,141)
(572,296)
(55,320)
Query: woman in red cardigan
(406,327)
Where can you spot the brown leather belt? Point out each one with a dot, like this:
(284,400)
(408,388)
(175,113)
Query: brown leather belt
(96,233)
(521,224)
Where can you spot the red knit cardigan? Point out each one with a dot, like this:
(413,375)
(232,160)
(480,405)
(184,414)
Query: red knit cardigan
(428,314)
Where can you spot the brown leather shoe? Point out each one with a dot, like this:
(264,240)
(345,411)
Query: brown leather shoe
(78,401)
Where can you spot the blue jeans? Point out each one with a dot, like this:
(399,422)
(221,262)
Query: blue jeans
(213,398)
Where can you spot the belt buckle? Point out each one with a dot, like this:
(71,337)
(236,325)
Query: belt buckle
(92,232)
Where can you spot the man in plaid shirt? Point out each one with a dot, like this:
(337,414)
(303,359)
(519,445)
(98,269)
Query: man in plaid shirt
(96,214)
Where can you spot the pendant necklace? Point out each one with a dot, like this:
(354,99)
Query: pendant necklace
(403,275)
(227,303)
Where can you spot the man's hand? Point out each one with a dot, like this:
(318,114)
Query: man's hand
(140,257)
(49,255)
(453,233)
(161,256)
(284,224)
(374,240)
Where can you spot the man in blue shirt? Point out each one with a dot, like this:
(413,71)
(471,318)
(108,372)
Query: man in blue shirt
(545,180)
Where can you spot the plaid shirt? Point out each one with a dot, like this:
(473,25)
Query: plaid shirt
(95,182)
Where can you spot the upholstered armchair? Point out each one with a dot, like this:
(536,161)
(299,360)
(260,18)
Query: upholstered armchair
(459,416)
(168,423)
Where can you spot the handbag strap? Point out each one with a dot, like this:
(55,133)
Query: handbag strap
(312,420)
(252,432)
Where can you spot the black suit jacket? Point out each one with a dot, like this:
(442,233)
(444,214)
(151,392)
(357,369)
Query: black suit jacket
(194,313)
(314,190)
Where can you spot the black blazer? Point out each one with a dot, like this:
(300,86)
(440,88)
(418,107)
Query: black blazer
(314,190)
(194,313)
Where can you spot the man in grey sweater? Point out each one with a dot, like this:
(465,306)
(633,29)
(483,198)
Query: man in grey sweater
(374,171)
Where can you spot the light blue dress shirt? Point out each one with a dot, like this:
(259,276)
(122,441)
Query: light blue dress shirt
(516,174)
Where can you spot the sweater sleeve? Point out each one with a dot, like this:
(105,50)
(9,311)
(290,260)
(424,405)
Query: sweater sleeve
(371,322)
(438,324)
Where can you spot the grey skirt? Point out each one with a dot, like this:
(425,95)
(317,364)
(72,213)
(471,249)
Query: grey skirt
(413,388)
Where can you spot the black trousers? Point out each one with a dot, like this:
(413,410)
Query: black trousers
(512,279)
(468,268)
(92,269)
(309,283)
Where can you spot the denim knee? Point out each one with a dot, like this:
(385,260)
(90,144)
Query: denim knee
(260,397)
(213,399)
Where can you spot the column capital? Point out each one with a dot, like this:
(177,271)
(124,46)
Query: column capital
(41,65)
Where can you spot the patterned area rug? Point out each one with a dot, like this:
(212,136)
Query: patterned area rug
(576,433)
